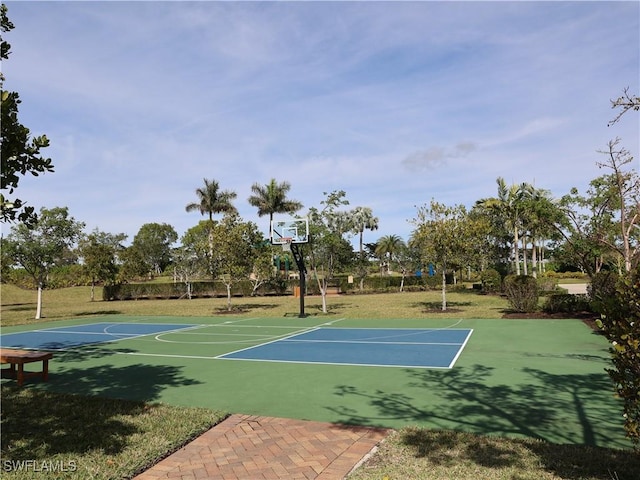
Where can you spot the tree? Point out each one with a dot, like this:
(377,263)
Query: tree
(194,254)
(361,219)
(20,153)
(152,244)
(442,234)
(212,200)
(602,227)
(620,315)
(42,246)
(328,250)
(586,220)
(408,261)
(98,251)
(388,246)
(263,269)
(541,212)
(509,206)
(626,102)
(626,201)
(272,198)
(234,244)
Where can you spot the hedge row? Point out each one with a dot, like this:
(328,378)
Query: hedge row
(204,289)
(139,291)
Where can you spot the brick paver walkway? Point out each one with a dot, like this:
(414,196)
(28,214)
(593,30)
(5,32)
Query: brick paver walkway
(253,448)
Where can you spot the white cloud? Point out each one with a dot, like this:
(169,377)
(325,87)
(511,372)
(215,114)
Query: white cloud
(395,103)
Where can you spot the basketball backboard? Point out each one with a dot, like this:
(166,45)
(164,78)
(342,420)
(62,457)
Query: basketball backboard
(289,230)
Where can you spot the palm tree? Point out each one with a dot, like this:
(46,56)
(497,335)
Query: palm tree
(272,198)
(212,200)
(509,206)
(362,219)
(542,213)
(388,246)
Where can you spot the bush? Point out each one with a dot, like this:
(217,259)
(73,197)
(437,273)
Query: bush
(620,323)
(547,284)
(602,291)
(522,292)
(491,281)
(566,303)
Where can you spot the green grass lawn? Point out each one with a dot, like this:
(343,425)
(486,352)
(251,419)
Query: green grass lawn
(19,306)
(90,437)
(527,399)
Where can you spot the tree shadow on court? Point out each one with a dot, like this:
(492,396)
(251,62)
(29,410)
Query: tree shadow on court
(315,310)
(570,462)
(138,381)
(36,424)
(553,407)
(240,308)
(74,371)
(98,312)
(556,408)
(437,306)
(332,309)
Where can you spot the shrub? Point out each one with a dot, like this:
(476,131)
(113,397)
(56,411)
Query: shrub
(491,281)
(522,292)
(602,290)
(547,284)
(620,323)
(566,303)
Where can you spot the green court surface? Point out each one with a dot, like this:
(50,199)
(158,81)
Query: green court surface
(540,379)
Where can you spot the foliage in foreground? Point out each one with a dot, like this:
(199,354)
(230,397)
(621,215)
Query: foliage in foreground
(418,453)
(620,323)
(89,437)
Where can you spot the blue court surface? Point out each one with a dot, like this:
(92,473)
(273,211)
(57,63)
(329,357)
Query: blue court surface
(384,347)
(68,337)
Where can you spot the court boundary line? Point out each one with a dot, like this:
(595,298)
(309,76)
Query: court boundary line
(118,337)
(349,364)
(294,334)
(115,337)
(461,347)
(449,344)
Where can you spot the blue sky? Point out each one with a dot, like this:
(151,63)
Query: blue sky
(394,102)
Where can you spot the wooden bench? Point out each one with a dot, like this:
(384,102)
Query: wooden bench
(19,358)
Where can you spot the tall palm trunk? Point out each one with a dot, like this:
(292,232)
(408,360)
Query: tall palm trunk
(534,258)
(516,250)
(524,255)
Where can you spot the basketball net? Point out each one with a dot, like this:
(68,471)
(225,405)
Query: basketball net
(286,245)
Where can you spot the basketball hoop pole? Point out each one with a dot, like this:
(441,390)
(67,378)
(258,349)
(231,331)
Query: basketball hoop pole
(289,233)
(303,274)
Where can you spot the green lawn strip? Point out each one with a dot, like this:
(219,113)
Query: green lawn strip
(79,437)
(18,306)
(421,454)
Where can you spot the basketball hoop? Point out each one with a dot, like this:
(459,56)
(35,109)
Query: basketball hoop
(286,244)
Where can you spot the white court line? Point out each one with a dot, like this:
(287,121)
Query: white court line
(423,367)
(294,334)
(266,338)
(464,344)
(373,343)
